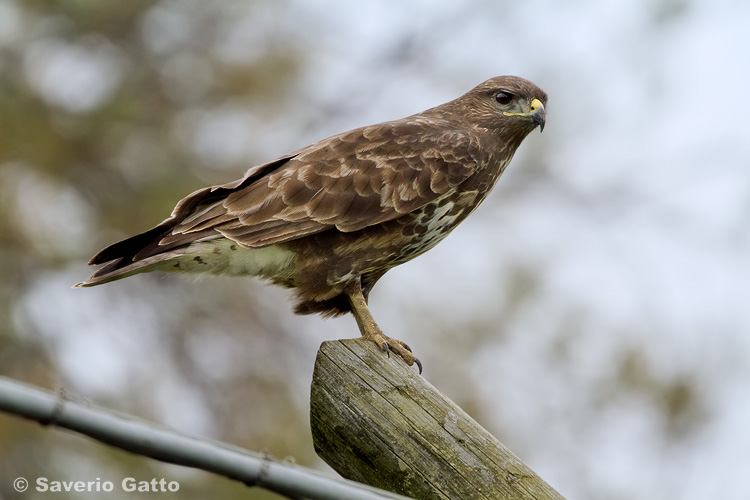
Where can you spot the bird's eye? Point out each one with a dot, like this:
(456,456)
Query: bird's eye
(503,97)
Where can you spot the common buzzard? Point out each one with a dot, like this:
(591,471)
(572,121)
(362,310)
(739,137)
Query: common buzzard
(330,219)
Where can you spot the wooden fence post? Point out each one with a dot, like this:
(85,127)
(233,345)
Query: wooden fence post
(376,421)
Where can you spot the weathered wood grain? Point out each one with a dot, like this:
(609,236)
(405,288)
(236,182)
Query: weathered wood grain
(376,421)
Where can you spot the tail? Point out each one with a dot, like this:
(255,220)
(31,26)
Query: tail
(123,259)
(155,248)
(146,251)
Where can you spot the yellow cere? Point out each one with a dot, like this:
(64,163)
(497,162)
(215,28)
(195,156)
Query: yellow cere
(535,104)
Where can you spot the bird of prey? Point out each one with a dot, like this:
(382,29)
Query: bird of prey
(330,219)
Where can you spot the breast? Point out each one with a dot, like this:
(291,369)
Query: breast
(433,222)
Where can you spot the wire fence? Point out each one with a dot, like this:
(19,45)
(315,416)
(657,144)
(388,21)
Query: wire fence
(148,439)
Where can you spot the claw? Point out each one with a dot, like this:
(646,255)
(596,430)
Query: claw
(387,349)
(391,345)
(419,364)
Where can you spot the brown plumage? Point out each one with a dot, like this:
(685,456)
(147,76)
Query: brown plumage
(330,219)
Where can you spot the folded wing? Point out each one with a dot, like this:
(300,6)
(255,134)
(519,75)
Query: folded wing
(350,181)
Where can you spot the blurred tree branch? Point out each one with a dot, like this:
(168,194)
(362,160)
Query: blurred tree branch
(123,431)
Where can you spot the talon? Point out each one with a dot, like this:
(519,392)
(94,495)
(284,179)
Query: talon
(419,363)
(387,349)
(406,346)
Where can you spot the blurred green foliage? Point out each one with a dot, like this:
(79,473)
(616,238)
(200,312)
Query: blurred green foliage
(100,104)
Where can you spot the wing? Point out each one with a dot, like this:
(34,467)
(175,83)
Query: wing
(350,181)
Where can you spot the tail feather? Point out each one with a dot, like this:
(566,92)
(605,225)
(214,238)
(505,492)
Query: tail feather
(141,253)
(127,248)
(145,252)
(121,268)
(138,254)
(153,249)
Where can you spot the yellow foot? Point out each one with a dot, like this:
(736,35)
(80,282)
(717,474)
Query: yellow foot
(392,345)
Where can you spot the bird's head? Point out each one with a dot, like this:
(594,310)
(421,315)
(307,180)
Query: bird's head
(508,103)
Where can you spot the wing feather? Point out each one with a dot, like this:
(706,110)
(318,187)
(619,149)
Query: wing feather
(361,178)
(357,179)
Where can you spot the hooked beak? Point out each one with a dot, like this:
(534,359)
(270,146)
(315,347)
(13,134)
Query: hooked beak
(536,113)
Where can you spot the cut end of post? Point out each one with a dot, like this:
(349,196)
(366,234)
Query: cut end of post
(376,421)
